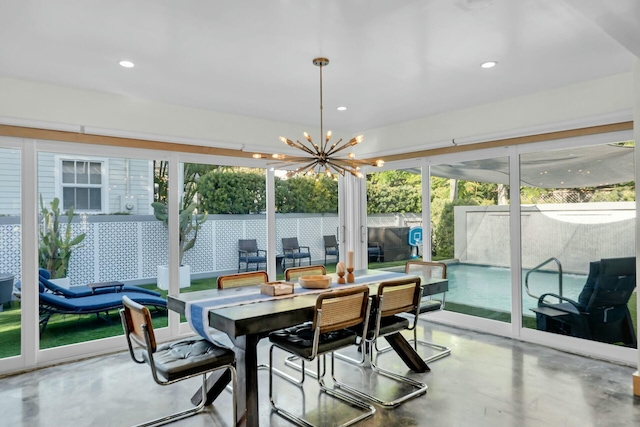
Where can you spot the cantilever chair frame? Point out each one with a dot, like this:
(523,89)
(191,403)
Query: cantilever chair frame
(143,336)
(340,316)
(402,296)
(242,279)
(430,305)
(293,273)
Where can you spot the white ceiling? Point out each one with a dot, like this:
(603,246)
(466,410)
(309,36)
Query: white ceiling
(391,61)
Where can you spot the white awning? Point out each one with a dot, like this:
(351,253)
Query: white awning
(593,166)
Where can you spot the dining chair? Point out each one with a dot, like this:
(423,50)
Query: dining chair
(174,361)
(394,298)
(293,273)
(433,299)
(242,279)
(335,313)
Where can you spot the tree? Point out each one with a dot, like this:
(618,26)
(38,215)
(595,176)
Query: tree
(231,191)
(243,191)
(394,192)
(56,245)
(307,194)
(191,217)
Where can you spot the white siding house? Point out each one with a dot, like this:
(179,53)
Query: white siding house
(113,185)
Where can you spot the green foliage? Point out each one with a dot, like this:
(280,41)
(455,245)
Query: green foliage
(307,194)
(191,217)
(56,242)
(618,194)
(238,191)
(623,192)
(190,223)
(482,193)
(442,223)
(394,192)
(531,195)
(233,192)
(440,188)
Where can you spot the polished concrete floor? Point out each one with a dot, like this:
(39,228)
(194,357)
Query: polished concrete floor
(487,381)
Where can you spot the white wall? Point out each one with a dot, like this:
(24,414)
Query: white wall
(589,103)
(582,104)
(39,102)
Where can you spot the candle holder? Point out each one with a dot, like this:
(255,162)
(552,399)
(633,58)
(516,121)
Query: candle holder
(350,277)
(341,280)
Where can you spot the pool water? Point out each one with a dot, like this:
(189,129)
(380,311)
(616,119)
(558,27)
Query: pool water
(490,287)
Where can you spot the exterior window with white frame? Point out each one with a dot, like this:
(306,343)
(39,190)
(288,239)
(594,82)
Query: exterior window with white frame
(82,185)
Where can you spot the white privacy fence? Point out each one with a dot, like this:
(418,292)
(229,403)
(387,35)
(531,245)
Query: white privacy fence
(131,247)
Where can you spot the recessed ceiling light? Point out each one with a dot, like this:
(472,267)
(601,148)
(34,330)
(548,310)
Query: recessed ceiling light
(489,64)
(342,108)
(127,64)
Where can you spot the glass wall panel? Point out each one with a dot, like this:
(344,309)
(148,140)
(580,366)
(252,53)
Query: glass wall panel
(578,212)
(306,215)
(470,232)
(97,233)
(394,217)
(220,207)
(10,261)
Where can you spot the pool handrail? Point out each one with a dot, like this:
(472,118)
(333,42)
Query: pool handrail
(537,267)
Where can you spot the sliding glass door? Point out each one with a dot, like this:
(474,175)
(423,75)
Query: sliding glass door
(470,232)
(97,233)
(578,242)
(11,258)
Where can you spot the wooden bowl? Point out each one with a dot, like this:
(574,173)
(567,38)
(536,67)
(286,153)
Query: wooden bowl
(315,282)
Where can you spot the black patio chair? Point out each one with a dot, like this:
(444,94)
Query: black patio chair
(601,312)
(331,248)
(248,253)
(293,251)
(374,250)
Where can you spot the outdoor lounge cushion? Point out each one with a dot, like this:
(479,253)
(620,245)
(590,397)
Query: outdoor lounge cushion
(84,291)
(97,303)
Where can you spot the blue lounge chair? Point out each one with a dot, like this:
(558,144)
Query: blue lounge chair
(51,304)
(85,291)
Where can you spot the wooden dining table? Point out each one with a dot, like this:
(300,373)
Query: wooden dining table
(245,323)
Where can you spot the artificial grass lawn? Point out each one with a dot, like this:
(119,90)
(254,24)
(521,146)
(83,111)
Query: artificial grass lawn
(71,329)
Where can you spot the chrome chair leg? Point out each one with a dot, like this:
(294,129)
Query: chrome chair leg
(347,398)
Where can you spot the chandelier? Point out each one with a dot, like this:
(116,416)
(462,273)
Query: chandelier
(323,157)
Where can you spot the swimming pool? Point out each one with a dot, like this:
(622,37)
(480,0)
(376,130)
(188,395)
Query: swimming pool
(490,287)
